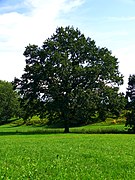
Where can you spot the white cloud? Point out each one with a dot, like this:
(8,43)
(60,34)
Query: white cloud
(71,4)
(126,57)
(17,30)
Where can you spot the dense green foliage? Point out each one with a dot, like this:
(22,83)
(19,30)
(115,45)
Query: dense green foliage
(70,79)
(67,156)
(130,94)
(9,104)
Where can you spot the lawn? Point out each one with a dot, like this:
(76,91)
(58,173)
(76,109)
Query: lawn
(67,156)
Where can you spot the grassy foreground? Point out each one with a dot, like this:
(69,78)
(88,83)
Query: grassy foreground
(67,156)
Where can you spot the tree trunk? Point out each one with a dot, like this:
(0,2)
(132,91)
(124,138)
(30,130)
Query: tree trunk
(66,125)
(66,130)
(133,128)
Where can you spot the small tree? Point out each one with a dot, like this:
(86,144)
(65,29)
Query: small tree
(9,105)
(130,94)
(68,77)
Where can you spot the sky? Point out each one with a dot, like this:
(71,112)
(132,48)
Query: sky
(111,23)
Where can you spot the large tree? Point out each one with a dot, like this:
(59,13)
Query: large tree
(9,104)
(69,77)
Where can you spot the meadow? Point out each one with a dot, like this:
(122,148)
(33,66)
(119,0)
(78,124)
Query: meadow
(99,151)
(67,156)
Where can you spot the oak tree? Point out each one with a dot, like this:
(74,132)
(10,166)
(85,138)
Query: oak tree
(69,77)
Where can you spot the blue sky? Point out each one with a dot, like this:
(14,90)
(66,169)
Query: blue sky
(111,23)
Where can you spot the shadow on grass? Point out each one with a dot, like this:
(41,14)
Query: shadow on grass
(29,133)
(4,122)
(58,131)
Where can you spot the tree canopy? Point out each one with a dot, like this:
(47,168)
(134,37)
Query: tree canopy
(70,78)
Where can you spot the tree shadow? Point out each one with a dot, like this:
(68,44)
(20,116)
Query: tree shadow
(43,132)
(4,122)
(38,132)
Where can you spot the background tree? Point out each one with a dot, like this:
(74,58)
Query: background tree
(68,77)
(111,103)
(9,105)
(130,95)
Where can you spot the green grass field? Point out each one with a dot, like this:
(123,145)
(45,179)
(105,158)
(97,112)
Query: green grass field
(40,152)
(67,156)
